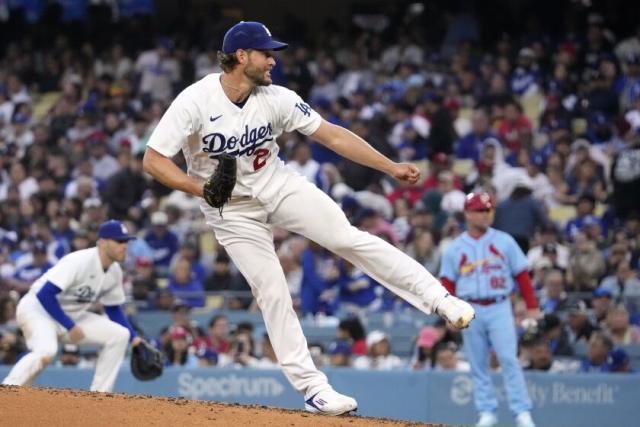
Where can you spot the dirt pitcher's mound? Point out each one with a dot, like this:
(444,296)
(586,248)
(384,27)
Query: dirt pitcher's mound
(30,406)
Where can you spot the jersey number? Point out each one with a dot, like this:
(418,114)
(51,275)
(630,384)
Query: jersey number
(262,154)
(497,282)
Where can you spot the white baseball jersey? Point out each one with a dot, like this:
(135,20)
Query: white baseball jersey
(204,123)
(83,281)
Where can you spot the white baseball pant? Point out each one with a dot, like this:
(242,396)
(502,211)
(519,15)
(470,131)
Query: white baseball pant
(300,207)
(43,333)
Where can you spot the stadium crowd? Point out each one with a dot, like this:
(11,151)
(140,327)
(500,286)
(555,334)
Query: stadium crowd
(549,125)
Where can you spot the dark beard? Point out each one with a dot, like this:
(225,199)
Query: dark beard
(256,76)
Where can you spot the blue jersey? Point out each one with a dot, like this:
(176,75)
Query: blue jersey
(357,288)
(30,272)
(164,248)
(483,268)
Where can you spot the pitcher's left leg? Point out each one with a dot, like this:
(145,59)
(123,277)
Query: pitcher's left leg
(308,211)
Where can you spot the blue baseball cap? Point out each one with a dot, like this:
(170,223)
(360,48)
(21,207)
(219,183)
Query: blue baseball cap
(114,230)
(617,359)
(208,354)
(250,35)
(602,292)
(340,347)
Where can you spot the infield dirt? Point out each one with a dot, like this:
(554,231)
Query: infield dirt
(31,406)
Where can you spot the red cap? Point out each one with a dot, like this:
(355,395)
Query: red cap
(478,202)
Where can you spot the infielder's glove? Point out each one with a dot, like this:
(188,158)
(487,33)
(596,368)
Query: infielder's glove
(219,186)
(146,362)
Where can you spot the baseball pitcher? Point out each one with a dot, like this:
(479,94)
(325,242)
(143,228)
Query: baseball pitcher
(240,114)
(480,267)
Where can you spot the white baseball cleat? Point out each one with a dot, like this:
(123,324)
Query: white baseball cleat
(456,311)
(330,402)
(524,420)
(487,419)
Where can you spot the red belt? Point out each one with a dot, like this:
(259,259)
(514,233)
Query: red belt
(486,301)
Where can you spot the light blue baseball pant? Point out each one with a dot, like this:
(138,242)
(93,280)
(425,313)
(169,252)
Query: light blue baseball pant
(493,326)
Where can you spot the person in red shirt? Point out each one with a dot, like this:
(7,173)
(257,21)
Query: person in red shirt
(515,128)
(440,162)
(218,337)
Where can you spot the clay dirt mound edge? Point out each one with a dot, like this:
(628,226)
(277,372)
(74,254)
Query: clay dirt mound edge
(33,406)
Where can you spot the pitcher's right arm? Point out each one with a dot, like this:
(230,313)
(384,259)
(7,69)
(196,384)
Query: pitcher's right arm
(164,170)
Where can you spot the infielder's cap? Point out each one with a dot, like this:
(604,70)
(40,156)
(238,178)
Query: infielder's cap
(250,35)
(114,230)
(478,202)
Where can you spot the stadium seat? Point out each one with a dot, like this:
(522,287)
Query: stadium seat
(462,167)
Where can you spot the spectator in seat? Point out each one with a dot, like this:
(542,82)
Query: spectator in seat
(541,359)
(206,357)
(217,338)
(27,274)
(242,351)
(585,208)
(351,330)
(549,247)
(163,242)
(586,264)
(598,350)
(554,298)
(359,293)
(428,338)
(379,356)
(619,361)
(340,354)
(144,280)
(446,358)
(579,325)
(468,147)
(177,349)
(552,330)
(601,301)
(223,278)
(620,331)
(185,286)
(268,359)
(624,283)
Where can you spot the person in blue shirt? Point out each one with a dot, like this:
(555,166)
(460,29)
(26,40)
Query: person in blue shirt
(185,285)
(600,345)
(468,147)
(585,209)
(163,242)
(319,276)
(358,292)
(618,361)
(26,274)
